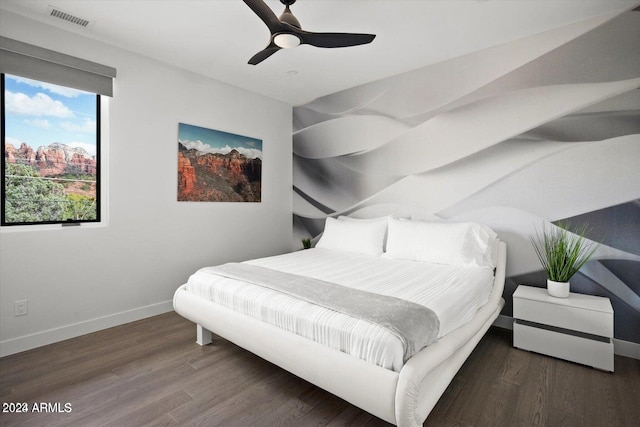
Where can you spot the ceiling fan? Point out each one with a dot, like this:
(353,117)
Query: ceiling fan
(286,32)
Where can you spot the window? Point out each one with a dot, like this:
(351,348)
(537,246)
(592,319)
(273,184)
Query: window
(51,146)
(50,135)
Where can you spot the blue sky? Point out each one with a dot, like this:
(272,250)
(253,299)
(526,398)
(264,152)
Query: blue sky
(39,114)
(215,141)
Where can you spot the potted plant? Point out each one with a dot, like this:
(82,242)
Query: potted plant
(306,243)
(562,253)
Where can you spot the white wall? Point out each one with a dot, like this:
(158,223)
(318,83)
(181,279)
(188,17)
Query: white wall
(81,279)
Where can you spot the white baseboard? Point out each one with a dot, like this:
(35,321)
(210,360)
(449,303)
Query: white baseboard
(504,322)
(28,342)
(626,348)
(620,347)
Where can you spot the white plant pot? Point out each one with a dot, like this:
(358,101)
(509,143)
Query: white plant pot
(558,289)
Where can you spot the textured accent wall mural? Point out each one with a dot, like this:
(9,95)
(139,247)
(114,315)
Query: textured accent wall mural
(546,128)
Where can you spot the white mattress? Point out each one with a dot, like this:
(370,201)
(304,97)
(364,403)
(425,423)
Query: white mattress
(453,293)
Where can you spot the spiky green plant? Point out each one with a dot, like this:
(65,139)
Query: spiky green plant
(561,252)
(306,243)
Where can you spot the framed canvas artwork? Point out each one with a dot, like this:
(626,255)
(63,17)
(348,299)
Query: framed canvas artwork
(217,166)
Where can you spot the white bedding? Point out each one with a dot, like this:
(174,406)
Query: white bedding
(453,293)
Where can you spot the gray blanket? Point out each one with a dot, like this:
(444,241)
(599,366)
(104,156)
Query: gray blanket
(415,325)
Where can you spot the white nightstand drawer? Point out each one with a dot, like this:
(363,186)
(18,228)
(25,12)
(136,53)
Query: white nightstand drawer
(583,313)
(577,319)
(569,347)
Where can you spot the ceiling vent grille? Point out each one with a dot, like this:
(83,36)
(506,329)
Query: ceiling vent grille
(57,13)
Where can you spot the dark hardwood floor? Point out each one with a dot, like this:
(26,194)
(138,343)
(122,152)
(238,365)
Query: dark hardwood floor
(151,373)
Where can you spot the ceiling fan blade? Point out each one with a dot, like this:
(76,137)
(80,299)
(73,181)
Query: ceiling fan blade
(265,13)
(334,39)
(264,54)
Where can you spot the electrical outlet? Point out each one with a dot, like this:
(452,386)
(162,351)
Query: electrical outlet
(21,308)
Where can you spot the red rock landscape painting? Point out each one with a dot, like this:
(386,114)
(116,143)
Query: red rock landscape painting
(217,166)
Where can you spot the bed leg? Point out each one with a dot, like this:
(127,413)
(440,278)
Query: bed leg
(203,335)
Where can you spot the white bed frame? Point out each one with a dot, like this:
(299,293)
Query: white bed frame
(402,398)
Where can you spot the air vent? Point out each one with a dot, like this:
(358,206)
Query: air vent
(57,13)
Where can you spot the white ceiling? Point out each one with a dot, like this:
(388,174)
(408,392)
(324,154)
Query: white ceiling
(216,38)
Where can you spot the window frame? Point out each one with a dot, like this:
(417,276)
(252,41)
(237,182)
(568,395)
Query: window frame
(98,158)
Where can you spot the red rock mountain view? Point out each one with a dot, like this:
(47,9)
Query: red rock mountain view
(56,160)
(215,177)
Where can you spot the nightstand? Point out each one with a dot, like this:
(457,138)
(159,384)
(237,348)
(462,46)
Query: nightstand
(578,328)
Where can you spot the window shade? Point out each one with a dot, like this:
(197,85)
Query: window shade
(26,60)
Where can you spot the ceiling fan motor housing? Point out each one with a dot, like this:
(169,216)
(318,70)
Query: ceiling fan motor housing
(288,17)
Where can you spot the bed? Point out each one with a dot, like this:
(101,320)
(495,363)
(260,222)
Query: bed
(455,270)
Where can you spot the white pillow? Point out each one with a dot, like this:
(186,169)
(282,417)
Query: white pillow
(383,220)
(361,237)
(462,244)
(491,256)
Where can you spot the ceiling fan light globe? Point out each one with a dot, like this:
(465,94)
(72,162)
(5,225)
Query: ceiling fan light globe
(286,40)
